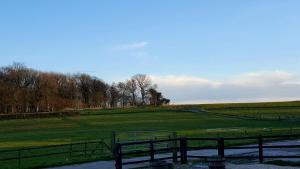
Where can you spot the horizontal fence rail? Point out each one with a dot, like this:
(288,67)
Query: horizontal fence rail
(180,145)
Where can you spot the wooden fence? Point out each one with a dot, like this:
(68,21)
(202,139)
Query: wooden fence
(184,148)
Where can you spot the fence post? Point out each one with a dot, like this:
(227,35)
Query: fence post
(174,146)
(85,149)
(71,149)
(221,147)
(151,151)
(102,145)
(183,151)
(260,148)
(118,156)
(19,158)
(113,141)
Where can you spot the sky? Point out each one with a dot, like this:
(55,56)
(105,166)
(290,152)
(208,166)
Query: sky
(195,51)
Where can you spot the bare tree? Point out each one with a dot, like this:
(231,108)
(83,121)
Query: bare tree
(155,97)
(114,95)
(85,83)
(124,93)
(25,90)
(99,94)
(132,88)
(144,83)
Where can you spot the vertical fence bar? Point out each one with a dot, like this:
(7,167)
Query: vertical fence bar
(151,151)
(118,156)
(71,149)
(113,139)
(102,147)
(19,159)
(85,149)
(183,151)
(221,147)
(174,146)
(260,148)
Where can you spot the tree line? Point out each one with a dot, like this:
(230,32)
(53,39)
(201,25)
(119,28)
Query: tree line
(24,90)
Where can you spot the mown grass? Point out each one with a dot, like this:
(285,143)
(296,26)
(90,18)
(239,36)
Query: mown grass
(98,124)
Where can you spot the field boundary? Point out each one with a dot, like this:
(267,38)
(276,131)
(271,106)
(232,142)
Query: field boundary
(11,116)
(252,107)
(242,117)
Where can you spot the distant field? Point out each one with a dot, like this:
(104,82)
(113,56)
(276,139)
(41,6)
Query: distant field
(208,121)
(97,124)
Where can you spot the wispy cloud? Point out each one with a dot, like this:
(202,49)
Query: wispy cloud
(254,86)
(263,78)
(131,46)
(136,50)
(183,80)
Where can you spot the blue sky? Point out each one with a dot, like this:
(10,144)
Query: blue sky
(217,41)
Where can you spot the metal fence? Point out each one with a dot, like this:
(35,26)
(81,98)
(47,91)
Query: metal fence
(54,155)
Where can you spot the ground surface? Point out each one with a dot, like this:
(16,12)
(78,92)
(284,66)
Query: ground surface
(216,120)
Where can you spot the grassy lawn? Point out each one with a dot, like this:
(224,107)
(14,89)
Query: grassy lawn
(98,124)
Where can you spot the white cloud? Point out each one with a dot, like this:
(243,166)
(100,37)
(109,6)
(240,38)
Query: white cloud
(255,86)
(131,46)
(265,78)
(183,80)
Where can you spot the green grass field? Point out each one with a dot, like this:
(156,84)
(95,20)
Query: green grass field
(268,119)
